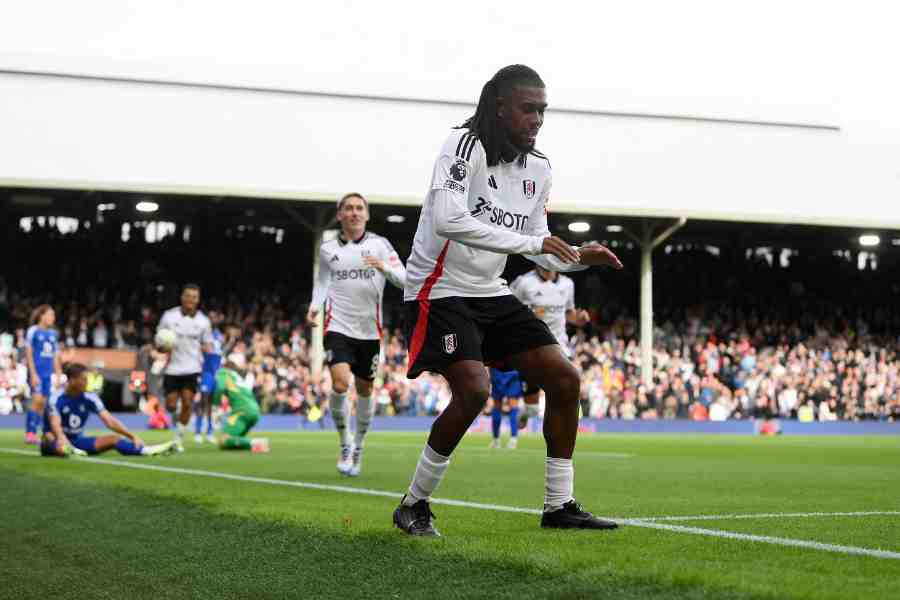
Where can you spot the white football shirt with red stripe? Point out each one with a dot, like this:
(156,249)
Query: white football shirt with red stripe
(350,289)
(473,216)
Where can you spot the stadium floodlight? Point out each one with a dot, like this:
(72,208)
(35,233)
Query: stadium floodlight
(614,228)
(146,207)
(895,241)
(105,207)
(579,226)
(869,239)
(396,219)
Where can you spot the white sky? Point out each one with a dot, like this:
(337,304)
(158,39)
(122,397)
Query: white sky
(823,62)
(801,60)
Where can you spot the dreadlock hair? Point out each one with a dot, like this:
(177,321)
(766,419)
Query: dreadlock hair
(485,123)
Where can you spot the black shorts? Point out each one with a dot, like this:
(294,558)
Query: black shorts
(490,330)
(361,355)
(176,383)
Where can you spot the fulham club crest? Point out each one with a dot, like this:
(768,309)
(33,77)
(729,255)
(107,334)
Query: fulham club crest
(528,188)
(450,343)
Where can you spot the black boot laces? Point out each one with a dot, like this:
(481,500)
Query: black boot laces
(422,511)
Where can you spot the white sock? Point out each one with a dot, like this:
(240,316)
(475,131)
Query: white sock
(531,410)
(180,429)
(338,402)
(429,472)
(364,406)
(559,482)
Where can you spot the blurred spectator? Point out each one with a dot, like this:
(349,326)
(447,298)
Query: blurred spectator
(735,338)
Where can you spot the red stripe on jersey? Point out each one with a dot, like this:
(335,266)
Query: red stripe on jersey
(327,317)
(418,338)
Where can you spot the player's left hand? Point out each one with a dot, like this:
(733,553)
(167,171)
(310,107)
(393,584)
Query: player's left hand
(373,262)
(598,255)
(137,441)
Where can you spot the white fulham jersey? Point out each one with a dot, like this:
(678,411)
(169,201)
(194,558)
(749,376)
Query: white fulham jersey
(550,300)
(352,290)
(473,216)
(192,332)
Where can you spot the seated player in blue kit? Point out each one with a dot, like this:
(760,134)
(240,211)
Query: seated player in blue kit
(67,413)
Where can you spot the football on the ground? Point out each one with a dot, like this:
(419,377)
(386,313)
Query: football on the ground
(165,339)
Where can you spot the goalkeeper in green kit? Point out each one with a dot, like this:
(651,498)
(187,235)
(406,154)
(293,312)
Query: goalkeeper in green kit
(243,409)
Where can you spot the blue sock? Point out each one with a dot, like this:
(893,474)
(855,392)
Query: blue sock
(31,422)
(198,423)
(127,448)
(209,427)
(514,421)
(496,419)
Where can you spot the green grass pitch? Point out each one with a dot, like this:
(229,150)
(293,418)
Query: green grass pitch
(77,528)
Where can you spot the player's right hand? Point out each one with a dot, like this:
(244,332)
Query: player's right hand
(561,250)
(311,318)
(35,380)
(598,255)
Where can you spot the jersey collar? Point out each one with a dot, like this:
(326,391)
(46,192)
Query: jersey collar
(344,242)
(554,280)
(518,160)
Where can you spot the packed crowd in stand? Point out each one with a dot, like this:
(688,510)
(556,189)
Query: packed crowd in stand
(707,365)
(809,335)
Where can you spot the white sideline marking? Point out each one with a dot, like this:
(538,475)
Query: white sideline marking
(768,539)
(639,522)
(869,513)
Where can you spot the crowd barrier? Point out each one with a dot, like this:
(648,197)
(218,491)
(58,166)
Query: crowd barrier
(138,422)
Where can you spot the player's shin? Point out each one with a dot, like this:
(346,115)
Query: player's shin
(128,448)
(198,417)
(364,410)
(514,421)
(429,473)
(559,482)
(496,420)
(32,420)
(338,402)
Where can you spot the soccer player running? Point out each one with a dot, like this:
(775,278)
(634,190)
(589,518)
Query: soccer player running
(353,269)
(182,373)
(42,358)
(212,360)
(488,198)
(243,411)
(551,296)
(68,412)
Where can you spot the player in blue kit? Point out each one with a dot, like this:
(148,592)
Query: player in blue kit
(67,414)
(212,360)
(42,356)
(505,385)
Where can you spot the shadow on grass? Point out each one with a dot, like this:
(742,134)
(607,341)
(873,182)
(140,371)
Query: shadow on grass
(76,540)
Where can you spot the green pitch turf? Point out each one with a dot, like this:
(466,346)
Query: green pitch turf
(77,528)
